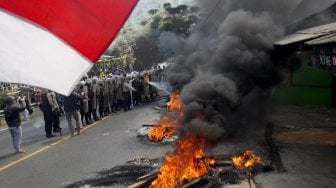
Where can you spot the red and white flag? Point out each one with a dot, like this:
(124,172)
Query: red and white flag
(53,43)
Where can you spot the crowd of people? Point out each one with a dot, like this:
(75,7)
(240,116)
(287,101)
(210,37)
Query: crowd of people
(91,100)
(94,98)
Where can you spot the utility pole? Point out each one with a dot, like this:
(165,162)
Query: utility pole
(333,91)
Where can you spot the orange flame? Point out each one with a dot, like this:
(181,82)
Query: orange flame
(166,127)
(175,102)
(246,160)
(187,163)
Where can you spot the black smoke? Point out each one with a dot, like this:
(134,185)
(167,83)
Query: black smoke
(227,68)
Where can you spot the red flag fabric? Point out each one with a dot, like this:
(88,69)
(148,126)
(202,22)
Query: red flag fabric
(52,43)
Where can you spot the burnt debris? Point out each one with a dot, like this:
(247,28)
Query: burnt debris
(141,172)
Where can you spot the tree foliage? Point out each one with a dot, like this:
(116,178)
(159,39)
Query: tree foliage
(141,51)
(146,52)
(120,56)
(178,20)
(2,100)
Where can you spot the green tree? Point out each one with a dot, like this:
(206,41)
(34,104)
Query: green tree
(146,52)
(121,55)
(179,20)
(137,44)
(2,100)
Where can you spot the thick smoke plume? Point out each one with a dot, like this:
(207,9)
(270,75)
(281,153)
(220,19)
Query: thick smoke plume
(226,69)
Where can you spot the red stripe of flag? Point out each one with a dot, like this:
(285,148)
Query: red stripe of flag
(89,26)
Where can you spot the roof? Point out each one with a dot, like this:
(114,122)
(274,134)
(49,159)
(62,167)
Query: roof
(331,38)
(312,36)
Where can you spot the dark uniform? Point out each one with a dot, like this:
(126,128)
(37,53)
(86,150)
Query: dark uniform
(47,114)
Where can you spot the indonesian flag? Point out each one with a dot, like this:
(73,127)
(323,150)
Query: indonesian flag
(53,43)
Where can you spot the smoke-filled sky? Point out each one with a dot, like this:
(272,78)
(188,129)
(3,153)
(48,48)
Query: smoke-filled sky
(225,69)
(309,7)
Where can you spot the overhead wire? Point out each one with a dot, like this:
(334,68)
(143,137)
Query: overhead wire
(212,11)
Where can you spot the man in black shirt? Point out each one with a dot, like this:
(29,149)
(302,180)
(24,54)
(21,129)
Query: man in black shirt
(12,117)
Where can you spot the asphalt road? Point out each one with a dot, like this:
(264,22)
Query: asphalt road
(62,160)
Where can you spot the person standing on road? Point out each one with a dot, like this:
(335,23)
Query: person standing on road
(85,104)
(101,98)
(22,102)
(55,111)
(71,111)
(112,93)
(38,97)
(47,113)
(126,89)
(93,94)
(12,117)
(107,97)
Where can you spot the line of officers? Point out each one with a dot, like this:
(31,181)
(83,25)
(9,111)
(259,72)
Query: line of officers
(95,98)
